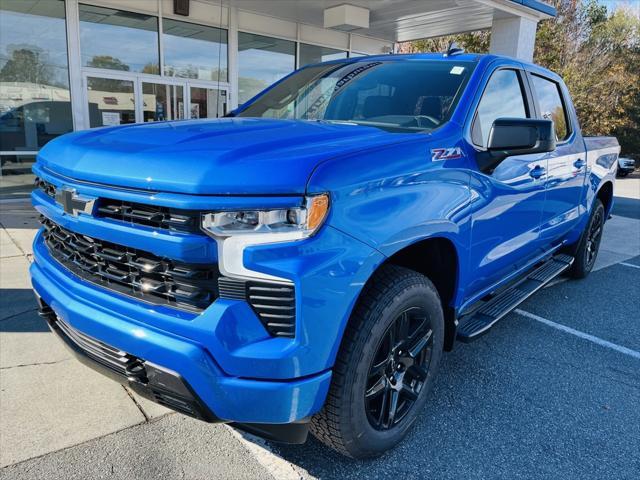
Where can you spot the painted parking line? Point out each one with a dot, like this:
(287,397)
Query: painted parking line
(578,333)
(629,265)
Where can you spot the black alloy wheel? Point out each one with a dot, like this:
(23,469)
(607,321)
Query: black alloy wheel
(386,366)
(585,251)
(594,236)
(399,369)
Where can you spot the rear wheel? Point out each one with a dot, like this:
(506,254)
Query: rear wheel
(587,251)
(386,365)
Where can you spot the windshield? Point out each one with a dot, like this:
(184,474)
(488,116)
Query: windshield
(393,95)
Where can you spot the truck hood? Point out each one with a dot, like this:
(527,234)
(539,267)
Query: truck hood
(219,156)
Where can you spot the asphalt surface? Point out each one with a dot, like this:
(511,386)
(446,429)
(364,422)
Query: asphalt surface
(525,401)
(626,207)
(627,196)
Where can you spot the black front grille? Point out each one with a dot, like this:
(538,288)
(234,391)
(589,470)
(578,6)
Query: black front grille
(165,218)
(133,272)
(150,216)
(46,187)
(274,303)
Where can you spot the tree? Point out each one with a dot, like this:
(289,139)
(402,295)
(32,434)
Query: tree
(152,68)
(27,65)
(109,62)
(109,84)
(598,55)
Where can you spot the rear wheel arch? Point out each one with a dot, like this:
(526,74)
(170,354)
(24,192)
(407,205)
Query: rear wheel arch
(605,195)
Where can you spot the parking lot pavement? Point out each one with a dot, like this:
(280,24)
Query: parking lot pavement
(627,192)
(172,447)
(527,400)
(551,392)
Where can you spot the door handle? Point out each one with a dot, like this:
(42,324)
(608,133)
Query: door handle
(537,172)
(579,163)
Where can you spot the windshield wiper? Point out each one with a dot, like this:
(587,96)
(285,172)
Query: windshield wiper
(339,122)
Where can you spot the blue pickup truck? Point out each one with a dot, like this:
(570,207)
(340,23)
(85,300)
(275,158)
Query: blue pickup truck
(302,264)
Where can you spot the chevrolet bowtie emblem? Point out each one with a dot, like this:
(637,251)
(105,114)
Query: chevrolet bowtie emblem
(72,203)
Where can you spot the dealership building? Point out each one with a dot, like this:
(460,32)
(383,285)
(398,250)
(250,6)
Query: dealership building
(76,64)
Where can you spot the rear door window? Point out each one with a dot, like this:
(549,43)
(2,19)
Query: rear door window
(549,98)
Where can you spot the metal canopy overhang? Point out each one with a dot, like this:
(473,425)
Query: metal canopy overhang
(405,20)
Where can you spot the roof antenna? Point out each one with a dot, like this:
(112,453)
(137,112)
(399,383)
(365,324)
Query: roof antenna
(453,49)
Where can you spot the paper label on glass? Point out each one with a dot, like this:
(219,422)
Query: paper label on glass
(110,118)
(195,110)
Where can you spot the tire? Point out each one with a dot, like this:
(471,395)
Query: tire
(587,251)
(367,363)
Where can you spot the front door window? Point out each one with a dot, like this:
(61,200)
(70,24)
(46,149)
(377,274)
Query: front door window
(503,98)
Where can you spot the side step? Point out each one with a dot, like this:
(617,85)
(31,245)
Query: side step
(476,324)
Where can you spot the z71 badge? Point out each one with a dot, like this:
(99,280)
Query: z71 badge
(440,154)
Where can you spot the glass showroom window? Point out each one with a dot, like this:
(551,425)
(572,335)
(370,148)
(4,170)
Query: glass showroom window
(34,84)
(316,54)
(261,61)
(111,102)
(118,40)
(194,51)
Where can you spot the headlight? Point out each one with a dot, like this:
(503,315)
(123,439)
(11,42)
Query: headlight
(299,222)
(237,230)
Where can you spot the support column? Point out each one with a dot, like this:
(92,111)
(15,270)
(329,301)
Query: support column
(232,60)
(513,36)
(76,87)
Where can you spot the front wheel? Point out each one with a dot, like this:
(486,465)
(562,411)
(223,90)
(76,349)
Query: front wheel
(386,365)
(587,251)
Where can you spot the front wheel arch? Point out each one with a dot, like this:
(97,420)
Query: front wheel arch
(436,258)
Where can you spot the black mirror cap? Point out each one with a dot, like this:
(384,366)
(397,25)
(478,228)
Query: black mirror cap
(525,134)
(517,136)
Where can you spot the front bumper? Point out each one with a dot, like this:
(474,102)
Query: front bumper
(221,397)
(146,379)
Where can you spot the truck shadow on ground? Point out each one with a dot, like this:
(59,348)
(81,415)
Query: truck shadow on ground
(626,207)
(18,310)
(19,215)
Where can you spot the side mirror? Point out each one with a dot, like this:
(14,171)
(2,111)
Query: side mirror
(516,136)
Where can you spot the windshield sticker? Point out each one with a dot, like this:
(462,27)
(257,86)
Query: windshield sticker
(353,74)
(457,70)
(441,154)
(323,98)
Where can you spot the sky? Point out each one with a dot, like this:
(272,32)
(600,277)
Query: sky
(613,4)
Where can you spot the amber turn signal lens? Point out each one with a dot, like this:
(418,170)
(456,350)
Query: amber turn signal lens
(318,208)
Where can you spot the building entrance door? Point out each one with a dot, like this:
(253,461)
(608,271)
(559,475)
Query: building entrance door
(118,98)
(207,101)
(161,101)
